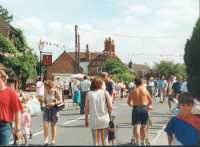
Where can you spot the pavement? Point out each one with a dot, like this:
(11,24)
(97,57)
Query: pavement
(71,130)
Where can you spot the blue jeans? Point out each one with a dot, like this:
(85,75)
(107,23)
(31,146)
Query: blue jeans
(5,133)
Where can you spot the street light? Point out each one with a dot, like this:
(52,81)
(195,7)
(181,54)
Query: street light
(41,46)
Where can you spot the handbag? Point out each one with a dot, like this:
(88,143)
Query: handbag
(111,123)
(59,106)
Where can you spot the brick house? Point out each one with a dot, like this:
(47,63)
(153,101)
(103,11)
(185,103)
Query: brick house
(96,65)
(140,70)
(62,66)
(8,32)
(90,62)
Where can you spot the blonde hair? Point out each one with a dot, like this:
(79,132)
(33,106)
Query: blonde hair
(3,75)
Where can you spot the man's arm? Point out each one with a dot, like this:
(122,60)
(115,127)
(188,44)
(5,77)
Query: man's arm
(129,101)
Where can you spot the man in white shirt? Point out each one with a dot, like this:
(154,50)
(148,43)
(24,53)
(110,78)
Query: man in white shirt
(40,91)
(84,88)
(59,87)
(184,86)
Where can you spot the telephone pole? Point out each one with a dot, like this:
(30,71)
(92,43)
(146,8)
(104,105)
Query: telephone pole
(78,53)
(76,49)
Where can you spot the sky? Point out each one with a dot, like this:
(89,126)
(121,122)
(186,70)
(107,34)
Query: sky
(144,31)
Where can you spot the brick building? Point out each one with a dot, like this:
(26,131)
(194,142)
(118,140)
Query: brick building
(90,62)
(7,31)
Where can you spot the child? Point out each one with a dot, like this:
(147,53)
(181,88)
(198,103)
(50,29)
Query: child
(26,119)
(184,128)
(111,131)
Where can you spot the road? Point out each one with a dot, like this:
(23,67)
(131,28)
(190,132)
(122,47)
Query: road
(71,129)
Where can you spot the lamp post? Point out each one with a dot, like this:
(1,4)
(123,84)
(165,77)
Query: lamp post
(40,47)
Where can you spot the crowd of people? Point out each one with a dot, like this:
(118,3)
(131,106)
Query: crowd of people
(95,97)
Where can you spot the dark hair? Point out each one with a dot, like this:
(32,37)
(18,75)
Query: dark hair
(138,81)
(92,86)
(96,84)
(85,77)
(185,98)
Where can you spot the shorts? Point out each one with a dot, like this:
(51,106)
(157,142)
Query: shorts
(139,115)
(111,135)
(50,115)
(66,92)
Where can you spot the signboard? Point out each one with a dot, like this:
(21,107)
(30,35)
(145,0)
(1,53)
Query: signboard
(47,59)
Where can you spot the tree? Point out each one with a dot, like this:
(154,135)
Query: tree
(6,45)
(20,58)
(168,68)
(192,60)
(5,14)
(117,70)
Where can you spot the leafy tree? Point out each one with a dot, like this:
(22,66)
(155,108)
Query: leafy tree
(6,45)
(20,59)
(5,14)
(20,43)
(168,68)
(192,60)
(117,70)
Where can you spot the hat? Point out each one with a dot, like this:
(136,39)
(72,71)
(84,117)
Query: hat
(49,83)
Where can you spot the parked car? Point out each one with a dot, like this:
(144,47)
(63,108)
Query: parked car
(30,87)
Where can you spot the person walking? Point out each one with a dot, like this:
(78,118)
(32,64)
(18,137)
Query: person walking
(108,85)
(10,110)
(40,91)
(140,100)
(59,87)
(50,115)
(170,94)
(162,89)
(84,88)
(99,109)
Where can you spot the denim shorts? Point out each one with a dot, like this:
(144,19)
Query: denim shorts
(50,115)
(5,133)
(139,115)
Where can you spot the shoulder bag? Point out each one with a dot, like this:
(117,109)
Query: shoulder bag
(59,106)
(111,123)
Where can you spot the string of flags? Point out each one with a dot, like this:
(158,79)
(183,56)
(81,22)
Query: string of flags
(48,43)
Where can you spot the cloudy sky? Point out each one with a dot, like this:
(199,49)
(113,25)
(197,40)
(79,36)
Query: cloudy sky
(145,31)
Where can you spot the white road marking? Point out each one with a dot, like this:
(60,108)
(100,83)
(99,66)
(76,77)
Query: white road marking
(38,133)
(66,123)
(157,136)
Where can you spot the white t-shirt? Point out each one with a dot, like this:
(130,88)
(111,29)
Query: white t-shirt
(40,88)
(99,117)
(184,87)
(85,85)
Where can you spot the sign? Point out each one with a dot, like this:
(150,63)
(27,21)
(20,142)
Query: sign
(47,59)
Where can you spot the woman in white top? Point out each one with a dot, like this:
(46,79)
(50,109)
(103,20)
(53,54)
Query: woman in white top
(98,104)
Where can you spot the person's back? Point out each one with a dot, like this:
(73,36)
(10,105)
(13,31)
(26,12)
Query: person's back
(177,87)
(98,109)
(109,87)
(85,85)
